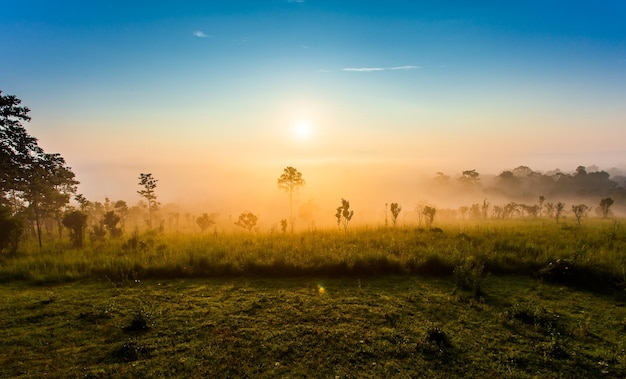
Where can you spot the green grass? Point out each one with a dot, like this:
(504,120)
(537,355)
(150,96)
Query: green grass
(395,326)
(521,247)
(523,298)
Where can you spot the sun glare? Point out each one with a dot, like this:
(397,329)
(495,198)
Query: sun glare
(302,130)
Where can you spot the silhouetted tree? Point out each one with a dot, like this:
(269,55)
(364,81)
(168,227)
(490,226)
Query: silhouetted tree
(290,181)
(49,184)
(395,211)
(121,208)
(550,208)
(542,199)
(247,220)
(485,208)
(605,205)
(441,178)
(205,221)
(17,148)
(344,214)
(149,184)
(11,228)
(429,214)
(109,221)
(558,210)
(283,225)
(580,210)
(76,221)
(31,181)
(470,179)
(530,210)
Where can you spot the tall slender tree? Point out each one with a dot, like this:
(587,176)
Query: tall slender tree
(149,185)
(290,181)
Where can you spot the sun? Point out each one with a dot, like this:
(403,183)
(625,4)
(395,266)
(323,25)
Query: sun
(302,129)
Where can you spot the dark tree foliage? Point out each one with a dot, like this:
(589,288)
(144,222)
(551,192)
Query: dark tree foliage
(33,183)
(76,222)
(109,221)
(605,205)
(11,228)
(17,147)
(522,183)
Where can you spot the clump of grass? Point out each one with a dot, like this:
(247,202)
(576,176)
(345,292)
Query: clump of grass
(559,270)
(468,276)
(142,321)
(96,315)
(131,351)
(537,316)
(434,341)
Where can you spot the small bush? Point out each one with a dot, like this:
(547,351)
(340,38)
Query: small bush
(468,276)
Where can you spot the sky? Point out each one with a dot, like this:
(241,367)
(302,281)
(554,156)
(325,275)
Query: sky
(216,97)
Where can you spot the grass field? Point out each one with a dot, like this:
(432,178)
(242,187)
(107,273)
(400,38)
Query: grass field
(383,327)
(515,299)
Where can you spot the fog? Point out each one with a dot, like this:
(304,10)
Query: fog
(229,190)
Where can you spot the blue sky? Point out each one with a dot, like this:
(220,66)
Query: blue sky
(177,86)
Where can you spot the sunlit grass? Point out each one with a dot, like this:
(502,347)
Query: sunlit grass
(503,247)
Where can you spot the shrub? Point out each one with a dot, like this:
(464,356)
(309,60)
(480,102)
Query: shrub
(468,276)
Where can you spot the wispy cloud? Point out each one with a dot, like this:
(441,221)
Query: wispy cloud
(363,69)
(295,1)
(405,68)
(200,34)
(370,69)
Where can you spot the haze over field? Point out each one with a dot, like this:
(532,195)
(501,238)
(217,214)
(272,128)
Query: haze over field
(367,99)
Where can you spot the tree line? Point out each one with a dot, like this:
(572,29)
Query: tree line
(36,188)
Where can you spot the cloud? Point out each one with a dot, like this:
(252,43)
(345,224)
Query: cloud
(363,69)
(199,34)
(405,68)
(295,1)
(370,69)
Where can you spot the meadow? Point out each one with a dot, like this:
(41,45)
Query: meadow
(507,298)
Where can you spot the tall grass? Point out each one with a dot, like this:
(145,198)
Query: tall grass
(503,247)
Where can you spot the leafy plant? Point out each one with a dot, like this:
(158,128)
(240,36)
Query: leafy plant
(395,211)
(344,214)
(468,276)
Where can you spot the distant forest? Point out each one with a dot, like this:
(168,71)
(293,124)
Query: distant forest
(524,184)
